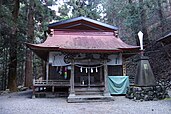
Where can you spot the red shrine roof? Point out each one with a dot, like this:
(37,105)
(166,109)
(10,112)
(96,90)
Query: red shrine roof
(79,41)
(81,35)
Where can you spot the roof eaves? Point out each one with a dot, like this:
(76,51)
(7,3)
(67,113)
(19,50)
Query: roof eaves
(162,38)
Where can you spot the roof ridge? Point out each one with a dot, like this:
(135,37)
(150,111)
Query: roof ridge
(83,18)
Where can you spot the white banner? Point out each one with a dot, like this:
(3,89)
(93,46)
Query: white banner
(57,59)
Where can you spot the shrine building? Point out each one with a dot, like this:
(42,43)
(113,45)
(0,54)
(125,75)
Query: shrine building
(81,56)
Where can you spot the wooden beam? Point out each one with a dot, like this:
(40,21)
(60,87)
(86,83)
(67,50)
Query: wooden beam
(33,94)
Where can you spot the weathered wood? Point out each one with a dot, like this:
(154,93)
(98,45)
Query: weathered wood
(89,79)
(101,74)
(33,95)
(53,89)
(106,91)
(51,83)
(124,69)
(72,91)
(47,71)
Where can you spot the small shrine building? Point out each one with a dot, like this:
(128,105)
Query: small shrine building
(80,55)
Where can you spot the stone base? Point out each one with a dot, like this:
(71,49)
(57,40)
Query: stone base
(89,98)
(49,94)
(147,93)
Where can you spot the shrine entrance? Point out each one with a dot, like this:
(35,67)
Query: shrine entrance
(89,76)
(88,70)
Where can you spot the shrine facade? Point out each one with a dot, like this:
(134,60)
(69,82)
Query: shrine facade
(80,54)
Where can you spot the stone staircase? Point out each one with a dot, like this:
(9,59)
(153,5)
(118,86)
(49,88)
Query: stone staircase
(92,94)
(89,91)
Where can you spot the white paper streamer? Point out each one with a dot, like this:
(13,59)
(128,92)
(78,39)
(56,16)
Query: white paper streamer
(96,69)
(81,69)
(91,70)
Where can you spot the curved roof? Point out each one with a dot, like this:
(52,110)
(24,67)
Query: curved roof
(79,42)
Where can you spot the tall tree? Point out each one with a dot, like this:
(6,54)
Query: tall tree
(30,39)
(161,16)
(143,20)
(86,8)
(12,83)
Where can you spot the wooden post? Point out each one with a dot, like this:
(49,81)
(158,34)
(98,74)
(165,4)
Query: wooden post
(33,87)
(53,89)
(72,91)
(89,77)
(106,91)
(47,71)
(101,74)
(124,69)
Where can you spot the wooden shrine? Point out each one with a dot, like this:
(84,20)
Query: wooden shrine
(80,54)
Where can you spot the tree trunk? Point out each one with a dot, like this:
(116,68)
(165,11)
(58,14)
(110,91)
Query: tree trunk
(161,17)
(4,74)
(143,16)
(28,69)
(12,75)
(134,29)
(29,55)
(1,3)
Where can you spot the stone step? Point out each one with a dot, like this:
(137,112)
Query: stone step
(91,89)
(89,93)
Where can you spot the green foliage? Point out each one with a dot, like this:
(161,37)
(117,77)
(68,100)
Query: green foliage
(86,8)
(42,16)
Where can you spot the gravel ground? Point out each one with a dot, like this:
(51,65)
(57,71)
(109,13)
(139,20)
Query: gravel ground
(21,103)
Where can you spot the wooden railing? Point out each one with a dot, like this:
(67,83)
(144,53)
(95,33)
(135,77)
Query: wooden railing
(51,83)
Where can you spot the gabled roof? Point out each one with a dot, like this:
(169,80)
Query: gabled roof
(83,23)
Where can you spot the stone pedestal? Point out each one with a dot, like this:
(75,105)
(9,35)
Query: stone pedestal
(144,75)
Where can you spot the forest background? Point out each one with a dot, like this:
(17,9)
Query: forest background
(24,21)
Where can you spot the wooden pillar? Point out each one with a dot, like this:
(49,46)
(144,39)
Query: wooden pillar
(53,89)
(33,87)
(106,91)
(124,69)
(72,91)
(101,74)
(47,71)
